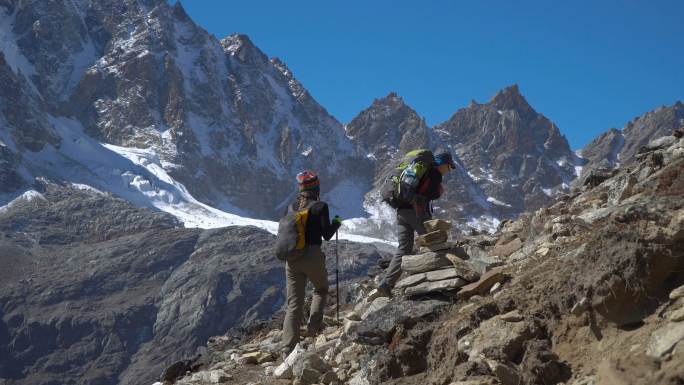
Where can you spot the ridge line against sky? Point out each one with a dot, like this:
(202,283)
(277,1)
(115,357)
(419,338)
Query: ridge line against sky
(587,66)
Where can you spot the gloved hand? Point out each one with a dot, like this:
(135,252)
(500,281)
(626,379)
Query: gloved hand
(337,220)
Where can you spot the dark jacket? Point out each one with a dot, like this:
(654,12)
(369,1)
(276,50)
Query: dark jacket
(318,226)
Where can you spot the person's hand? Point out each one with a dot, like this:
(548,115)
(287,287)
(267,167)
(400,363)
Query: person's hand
(337,220)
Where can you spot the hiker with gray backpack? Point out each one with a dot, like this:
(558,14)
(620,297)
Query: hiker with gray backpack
(300,232)
(416,182)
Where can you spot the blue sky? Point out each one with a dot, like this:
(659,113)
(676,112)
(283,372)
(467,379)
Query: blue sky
(587,65)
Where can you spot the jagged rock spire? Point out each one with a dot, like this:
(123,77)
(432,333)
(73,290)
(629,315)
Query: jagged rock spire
(510,98)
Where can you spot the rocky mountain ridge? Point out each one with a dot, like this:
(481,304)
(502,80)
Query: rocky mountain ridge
(616,147)
(588,291)
(223,121)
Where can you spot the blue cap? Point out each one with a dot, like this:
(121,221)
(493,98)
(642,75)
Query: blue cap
(444,157)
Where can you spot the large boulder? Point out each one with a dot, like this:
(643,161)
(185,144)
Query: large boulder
(379,327)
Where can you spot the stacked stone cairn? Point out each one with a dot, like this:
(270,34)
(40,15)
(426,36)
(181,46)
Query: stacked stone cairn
(439,266)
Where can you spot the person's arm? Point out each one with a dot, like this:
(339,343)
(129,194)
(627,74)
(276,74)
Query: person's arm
(328,228)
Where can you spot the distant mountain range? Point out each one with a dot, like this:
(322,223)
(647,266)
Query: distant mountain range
(232,127)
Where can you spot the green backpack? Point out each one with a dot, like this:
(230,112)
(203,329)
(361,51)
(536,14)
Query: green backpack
(401,187)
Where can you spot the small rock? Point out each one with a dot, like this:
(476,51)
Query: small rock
(268,371)
(214,377)
(376,305)
(349,326)
(506,374)
(353,316)
(219,376)
(580,307)
(374,294)
(485,283)
(309,376)
(591,380)
(664,339)
(311,361)
(249,358)
(249,348)
(512,316)
(677,315)
(481,380)
(507,249)
(284,370)
(560,230)
(464,269)
(561,219)
(543,251)
(328,377)
(496,287)
(677,293)
(496,339)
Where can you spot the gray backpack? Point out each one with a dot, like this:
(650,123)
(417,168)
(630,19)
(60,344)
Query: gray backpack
(291,238)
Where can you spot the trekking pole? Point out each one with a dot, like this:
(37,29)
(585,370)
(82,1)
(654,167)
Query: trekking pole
(337,278)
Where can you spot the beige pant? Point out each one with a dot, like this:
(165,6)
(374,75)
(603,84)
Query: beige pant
(312,267)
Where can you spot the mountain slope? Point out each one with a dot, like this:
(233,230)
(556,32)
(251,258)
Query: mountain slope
(621,146)
(94,290)
(516,155)
(224,120)
(587,291)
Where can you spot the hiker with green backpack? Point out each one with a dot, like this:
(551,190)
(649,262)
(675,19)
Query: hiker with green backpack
(300,233)
(410,190)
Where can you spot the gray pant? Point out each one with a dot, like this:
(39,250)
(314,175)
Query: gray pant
(407,222)
(312,267)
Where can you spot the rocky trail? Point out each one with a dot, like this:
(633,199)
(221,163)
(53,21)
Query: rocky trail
(587,291)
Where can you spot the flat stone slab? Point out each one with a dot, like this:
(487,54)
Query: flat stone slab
(438,247)
(436,225)
(432,238)
(411,280)
(439,275)
(425,262)
(436,286)
(483,285)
